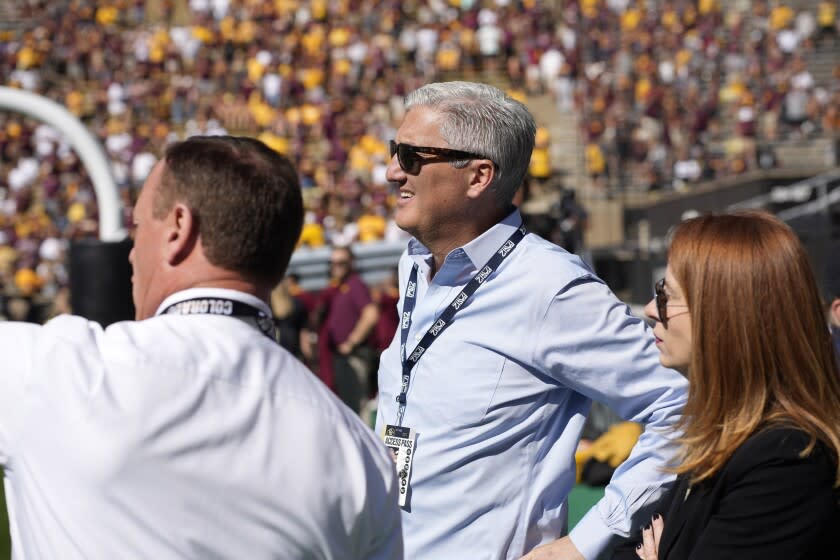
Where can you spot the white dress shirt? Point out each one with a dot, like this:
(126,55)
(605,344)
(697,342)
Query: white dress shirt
(183,436)
(499,400)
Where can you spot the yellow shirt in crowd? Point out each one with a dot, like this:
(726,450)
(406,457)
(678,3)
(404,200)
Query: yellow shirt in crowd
(371,227)
(312,235)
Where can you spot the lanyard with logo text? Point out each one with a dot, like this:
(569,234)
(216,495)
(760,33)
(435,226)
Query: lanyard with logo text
(222,306)
(445,318)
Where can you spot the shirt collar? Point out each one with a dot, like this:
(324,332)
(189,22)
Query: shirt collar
(480,249)
(221,293)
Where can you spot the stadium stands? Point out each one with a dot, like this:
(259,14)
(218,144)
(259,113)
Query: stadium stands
(659,95)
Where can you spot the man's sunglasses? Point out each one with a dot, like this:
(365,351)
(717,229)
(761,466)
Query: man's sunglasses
(410,161)
(661,297)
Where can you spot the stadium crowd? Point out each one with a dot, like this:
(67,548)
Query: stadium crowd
(668,93)
(690,91)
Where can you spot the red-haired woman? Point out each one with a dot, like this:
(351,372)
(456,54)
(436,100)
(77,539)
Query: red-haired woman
(739,313)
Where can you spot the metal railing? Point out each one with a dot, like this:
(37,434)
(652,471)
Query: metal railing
(827,191)
(374,261)
(800,194)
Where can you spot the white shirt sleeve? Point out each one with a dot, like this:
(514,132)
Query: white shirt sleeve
(17,345)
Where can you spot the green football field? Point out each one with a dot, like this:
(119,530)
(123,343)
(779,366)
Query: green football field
(580,500)
(5,539)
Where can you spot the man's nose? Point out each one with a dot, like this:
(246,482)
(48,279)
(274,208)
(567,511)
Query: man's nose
(394,173)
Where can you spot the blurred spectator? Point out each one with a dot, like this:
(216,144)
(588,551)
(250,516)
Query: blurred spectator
(570,222)
(21,309)
(687,168)
(540,169)
(313,233)
(386,295)
(766,157)
(371,223)
(290,316)
(827,22)
(831,292)
(596,166)
(346,317)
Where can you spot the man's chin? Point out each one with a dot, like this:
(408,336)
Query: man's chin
(406,225)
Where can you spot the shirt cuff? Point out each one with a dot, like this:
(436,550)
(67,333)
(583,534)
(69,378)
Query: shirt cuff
(591,535)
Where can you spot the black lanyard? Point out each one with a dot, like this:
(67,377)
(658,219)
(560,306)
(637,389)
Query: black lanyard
(445,319)
(223,306)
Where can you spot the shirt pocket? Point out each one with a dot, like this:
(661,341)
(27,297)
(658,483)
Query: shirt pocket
(465,386)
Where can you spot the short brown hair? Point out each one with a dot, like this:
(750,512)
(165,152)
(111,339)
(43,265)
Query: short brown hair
(762,354)
(246,199)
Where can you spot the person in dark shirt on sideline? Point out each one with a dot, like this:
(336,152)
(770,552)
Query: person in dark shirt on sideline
(831,287)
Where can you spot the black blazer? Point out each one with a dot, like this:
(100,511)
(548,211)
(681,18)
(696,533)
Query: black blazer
(765,503)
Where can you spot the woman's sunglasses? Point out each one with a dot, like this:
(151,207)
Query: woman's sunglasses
(411,162)
(661,297)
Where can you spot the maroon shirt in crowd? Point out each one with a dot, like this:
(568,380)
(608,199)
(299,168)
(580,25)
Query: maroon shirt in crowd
(345,307)
(342,307)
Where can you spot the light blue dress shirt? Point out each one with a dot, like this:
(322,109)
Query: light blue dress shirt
(499,401)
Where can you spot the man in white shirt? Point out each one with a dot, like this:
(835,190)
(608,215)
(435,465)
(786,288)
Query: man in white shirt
(190,433)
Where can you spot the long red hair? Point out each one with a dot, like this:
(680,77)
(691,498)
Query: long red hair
(762,352)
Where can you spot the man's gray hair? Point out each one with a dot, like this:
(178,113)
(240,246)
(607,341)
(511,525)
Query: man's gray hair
(482,119)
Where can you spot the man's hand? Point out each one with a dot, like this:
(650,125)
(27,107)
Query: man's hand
(561,549)
(345,348)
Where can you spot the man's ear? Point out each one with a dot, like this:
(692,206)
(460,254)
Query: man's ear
(182,234)
(483,172)
(834,312)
